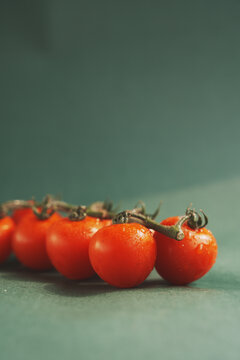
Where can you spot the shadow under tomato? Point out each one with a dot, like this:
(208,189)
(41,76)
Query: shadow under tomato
(212,284)
(68,288)
(11,265)
(94,287)
(58,285)
(13,270)
(22,274)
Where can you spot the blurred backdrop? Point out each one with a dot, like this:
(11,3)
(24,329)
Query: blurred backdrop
(117,98)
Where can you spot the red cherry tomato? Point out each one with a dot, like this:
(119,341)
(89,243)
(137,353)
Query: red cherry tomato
(181,262)
(19,214)
(123,254)
(29,241)
(7,227)
(68,243)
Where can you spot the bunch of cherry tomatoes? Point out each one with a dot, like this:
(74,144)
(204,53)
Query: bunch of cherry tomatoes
(122,248)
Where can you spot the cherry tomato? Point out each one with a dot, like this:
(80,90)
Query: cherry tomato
(7,227)
(19,214)
(181,262)
(29,241)
(123,254)
(68,243)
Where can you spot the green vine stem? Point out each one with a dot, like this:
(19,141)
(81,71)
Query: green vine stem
(44,209)
(194,220)
(9,206)
(102,210)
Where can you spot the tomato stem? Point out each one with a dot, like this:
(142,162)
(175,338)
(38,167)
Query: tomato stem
(102,210)
(49,205)
(175,231)
(77,213)
(11,205)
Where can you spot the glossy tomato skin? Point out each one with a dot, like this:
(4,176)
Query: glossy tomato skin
(29,241)
(123,255)
(68,243)
(182,262)
(7,227)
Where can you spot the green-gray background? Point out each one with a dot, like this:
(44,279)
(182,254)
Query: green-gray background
(127,100)
(117,98)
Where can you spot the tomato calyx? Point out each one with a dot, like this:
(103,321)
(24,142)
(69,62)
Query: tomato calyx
(193,219)
(102,210)
(78,213)
(140,208)
(45,209)
(196,221)
(99,209)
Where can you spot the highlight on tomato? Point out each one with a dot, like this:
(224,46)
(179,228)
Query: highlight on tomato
(123,255)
